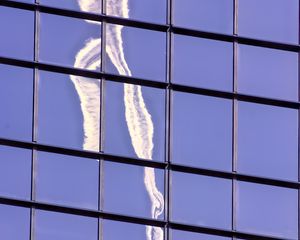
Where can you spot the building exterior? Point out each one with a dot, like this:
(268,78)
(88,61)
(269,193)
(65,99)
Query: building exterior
(139,119)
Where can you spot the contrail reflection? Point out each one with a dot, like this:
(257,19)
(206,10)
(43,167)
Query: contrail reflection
(139,122)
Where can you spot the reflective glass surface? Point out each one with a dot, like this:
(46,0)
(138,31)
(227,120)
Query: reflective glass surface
(15,172)
(205,15)
(14,223)
(16,102)
(67,180)
(126,45)
(203,63)
(201,200)
(93,6)
(68,110)
(182,235)
(201,125)
(70,41)
(267,210)
(268,72)
(60,226)
(134,121)
(17,33)
(267,141)
(275,20)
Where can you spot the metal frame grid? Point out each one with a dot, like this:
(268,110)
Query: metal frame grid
(168,86)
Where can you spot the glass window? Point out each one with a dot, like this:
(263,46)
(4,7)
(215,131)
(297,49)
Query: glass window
(67,180)
(17,33)
(181,235)
(14,222)
(69,110)
(70,41)
(268,141)
(15,172)
(134,121)
(267,210)
(133,190)
(201,200)
(203,63)
(93,6)
(113,230)
(16,102)
(60,226)
(202,131)
(205,15)
(275,20)
(268,72)
(126,45)
(149,11)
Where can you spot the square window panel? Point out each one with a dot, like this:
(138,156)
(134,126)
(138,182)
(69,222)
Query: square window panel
(14,223)
(133,190)
(15,172)
(70,41)
(181,235)
(267,210)
(134,121)
(205,15)
(17,33)
(275,20)
(126,45)
(93,6)
(202,131)
(203,63)
(69,110)
(61,226)
(268,72)
(201,200)
(67,180)
(267,136)
(149,11)
(16,102)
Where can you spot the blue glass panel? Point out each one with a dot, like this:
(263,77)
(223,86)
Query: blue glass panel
(205,15)
(16,102)
(93,6)
(202,131)
(268,141)
(268,72)
(201,200)
(14,223)
(60,226)
(127,120)
(275,20)
(67,180)
(182,235)
(203,63)
(133,190)
(17,33)
(267,210)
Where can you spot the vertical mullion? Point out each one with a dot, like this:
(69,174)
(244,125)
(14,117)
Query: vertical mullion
(299,123)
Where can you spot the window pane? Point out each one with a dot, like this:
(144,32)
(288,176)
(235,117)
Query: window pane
(124,52)
(150,11)
(134,121)
(70,41)
(268,72)
(93,6)
(15,172)
(67,180)
(16,102)
(201,200)
(182,235)
(268,136)
(203,63)
(205,15)
(113,230)
(16,25)
(69,110)
(60,226)
(267,210)
(275,20)
(201,125)
(14,223)
(134,190)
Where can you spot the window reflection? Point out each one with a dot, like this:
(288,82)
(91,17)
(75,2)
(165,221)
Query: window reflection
(182,235)
(93,6)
